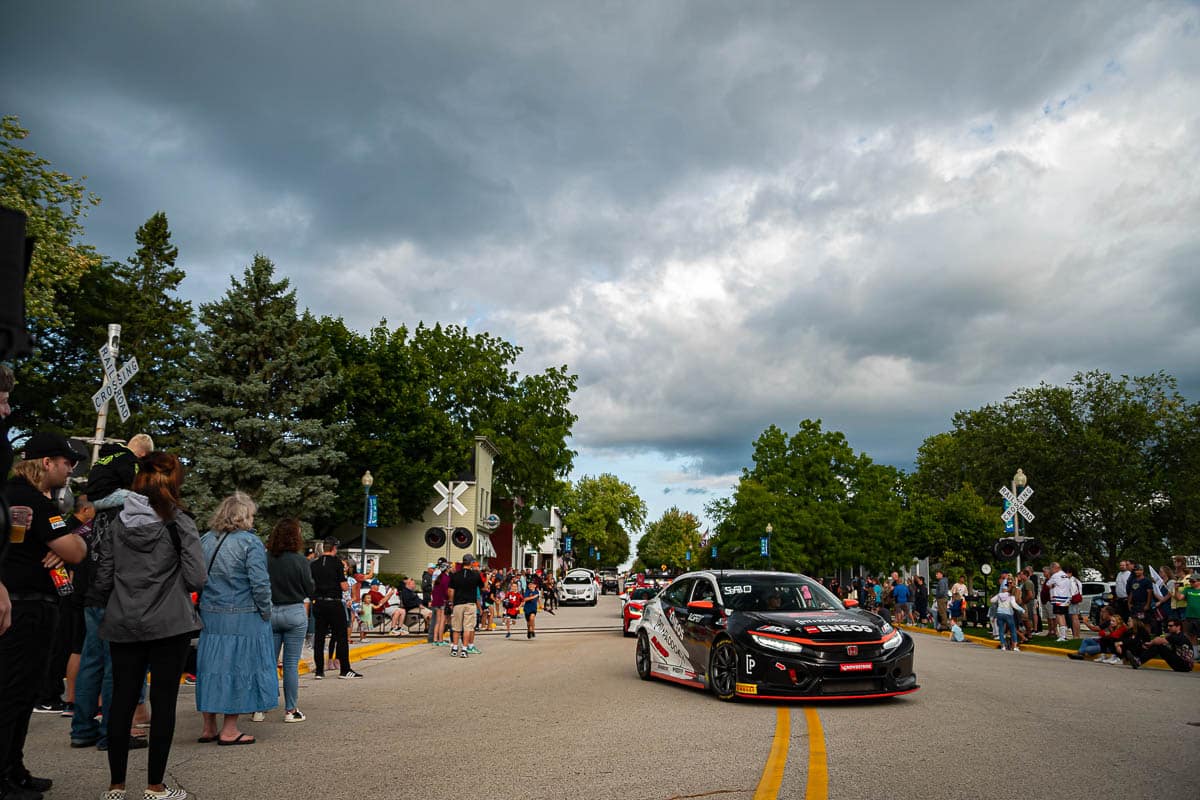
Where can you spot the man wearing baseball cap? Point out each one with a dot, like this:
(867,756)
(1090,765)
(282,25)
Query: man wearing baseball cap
(1190,594)
(465,586)
(38,545)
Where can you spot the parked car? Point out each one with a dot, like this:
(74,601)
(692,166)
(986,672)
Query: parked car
(609,582)
(577,587)
(1093,590)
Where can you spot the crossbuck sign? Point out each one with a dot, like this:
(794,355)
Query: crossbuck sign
(1016,503)
(114,383)
(450,497)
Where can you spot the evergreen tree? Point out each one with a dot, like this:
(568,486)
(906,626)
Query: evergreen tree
(157,328)
(252,424)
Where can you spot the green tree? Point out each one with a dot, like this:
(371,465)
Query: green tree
(829,508)
(262,371)
(56,204)
(157,327)
(669,539)
(1101,454)
(416,401)
(957,530)
(602,512)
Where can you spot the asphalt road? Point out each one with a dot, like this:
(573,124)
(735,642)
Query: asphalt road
(565,716)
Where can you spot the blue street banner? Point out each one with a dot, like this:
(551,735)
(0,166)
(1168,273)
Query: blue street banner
(764,546)
(714,551)
(591,552)
(1011,525)
(567,544)
(372,511)
(687,556)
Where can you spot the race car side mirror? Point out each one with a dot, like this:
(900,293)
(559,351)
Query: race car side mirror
(850,602)
(700,605)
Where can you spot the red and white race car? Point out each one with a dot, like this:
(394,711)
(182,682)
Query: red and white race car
(633,602)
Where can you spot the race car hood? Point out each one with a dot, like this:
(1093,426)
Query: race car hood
(819,626)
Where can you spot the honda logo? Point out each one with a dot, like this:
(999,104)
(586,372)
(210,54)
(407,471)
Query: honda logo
(852,650)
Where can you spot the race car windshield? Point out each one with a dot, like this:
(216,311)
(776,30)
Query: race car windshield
(775,594)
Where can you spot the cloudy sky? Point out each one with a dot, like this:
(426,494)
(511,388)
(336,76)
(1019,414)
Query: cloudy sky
(720,215)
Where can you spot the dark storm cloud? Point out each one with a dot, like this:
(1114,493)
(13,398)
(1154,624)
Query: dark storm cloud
(720,216)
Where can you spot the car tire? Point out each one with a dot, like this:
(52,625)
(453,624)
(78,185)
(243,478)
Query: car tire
(723,670)
(593,601)
(641,656)
(625,628)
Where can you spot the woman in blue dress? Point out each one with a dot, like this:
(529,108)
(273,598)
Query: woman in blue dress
(235,667)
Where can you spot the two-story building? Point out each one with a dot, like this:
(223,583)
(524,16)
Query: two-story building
(450,534)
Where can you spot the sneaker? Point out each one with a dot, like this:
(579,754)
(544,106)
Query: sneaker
(113,794)
(508,636)
(473,650)
(293,716)
(81,743)
(318,676)
(49,708)
(68,710)
(258,716)
(166,794)
(189,680)
(1075,656)
(350,674)
(453,650)
(1017,649)
(1060,639)
(23,780)
(463,653)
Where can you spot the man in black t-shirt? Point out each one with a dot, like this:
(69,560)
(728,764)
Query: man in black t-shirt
(1172,647)
(34,549)
(329,611)
(465,586)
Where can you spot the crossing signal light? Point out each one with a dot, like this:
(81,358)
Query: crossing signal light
(1006,549)
(1032,548)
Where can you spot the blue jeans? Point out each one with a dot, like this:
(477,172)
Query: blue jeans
(1089,647)
(93,684)
(1008,625)
(288,623)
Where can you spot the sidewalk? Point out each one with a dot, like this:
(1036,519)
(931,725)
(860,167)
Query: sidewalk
(987,641)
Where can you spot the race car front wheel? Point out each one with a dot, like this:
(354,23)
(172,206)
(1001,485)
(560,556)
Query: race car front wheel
(723,670)
(642,656)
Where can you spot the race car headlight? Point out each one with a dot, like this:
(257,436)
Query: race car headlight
(894,642)
(635,612)
(777,644)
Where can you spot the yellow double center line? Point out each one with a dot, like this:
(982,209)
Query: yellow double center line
(818,770)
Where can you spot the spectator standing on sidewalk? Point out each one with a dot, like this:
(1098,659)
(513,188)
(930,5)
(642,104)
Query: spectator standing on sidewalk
(1059,587)
(903,597)
(147,569)
(465,587)
(440,597)
(1028,599)
(941,596)
(1190,595)
(1076,606)
(920,600)
(34,550)
(1121,588)
(329,610)
(1006,608)
(1141,594)
(291,584)
(235,670)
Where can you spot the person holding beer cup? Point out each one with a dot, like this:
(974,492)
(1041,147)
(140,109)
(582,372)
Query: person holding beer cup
(38,547)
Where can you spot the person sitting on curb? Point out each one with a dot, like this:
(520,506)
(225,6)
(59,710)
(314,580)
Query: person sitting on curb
(1172,647)
(1110,629)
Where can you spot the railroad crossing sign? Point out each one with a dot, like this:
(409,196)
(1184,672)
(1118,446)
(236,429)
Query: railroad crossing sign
(115,380)
(1016,503)
(450,497)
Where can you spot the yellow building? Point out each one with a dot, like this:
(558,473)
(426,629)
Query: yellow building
(406,549)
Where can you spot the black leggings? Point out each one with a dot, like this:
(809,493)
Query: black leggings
(165,658)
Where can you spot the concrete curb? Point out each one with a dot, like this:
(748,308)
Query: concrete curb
(1155,663)
(367,651)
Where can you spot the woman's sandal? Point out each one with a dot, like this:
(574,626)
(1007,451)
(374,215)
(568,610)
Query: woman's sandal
(241,739)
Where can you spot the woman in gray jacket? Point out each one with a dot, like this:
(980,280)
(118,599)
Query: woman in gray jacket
(146,571)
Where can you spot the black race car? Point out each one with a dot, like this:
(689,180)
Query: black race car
(771,636)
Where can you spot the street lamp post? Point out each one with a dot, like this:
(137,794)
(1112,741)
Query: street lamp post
(367,480)
(770,558)
(1018,483)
